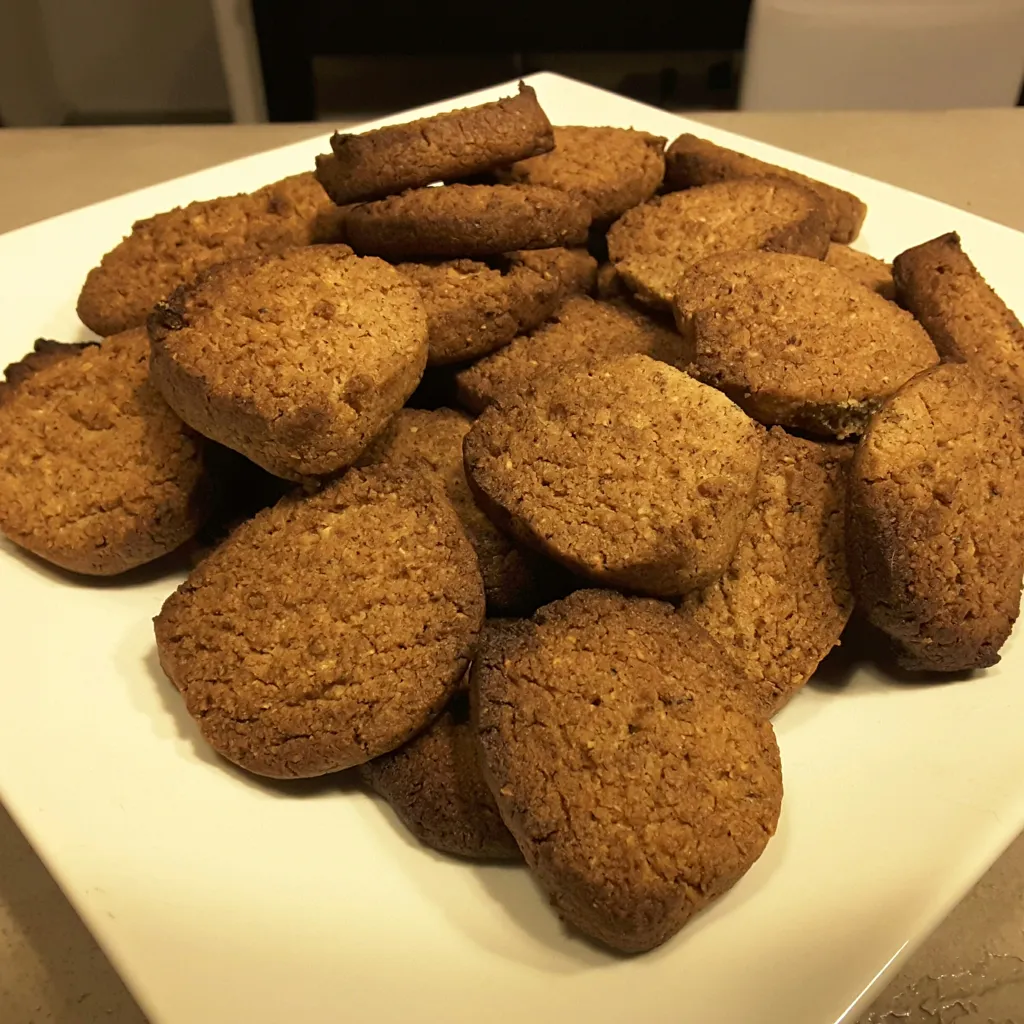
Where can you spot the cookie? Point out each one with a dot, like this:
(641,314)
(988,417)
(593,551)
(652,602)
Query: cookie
(435,785)
(631,474)
(169,250)
(965,318)
(296,360)
(431,441)
(444,147)
(328,629)
(785,599)
(609,169)
(636,780)
(97,475)
(653,245)
(797,343)
(474,308)
(467,220)
(583,333)
(693,161)
(864,269)
(935,530)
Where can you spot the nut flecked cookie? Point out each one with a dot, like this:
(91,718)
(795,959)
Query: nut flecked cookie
(873,273)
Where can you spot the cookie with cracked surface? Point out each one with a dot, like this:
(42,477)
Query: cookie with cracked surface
(169,250)
(453,221)
(609,169)
(783,602)
(474,307)
(328,629)
(935,525)
(653,245)
(431,441)
(867,270)
(583,333)
(651,786)
(97,474)
(434,783)
(296,360)
(456,144)
(965,318)
(797,343)
(631,474)
(691,161)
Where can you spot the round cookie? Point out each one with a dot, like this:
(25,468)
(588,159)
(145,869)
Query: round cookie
(295,360)
(609,169)
(473,308)
(447,146)
(97,475)
(434,783)
(328,629)
(864,269)
(631,474)
(785,599)
(653,245)
(636,779)
(797,343)
(169,250)
(467,221)
(935,527)
(583,333)
(431,441)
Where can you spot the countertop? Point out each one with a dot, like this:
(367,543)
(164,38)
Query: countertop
(970,970)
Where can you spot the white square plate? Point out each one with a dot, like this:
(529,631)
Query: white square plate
(223,898)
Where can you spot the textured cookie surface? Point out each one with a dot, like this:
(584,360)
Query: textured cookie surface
(610,169)
(170,249)
(785,599)
(474,308)
(326,630)
(581,334)
(966,319)
(467,220)
(637,782)
(694,161)
(632,474)
(431,440)
(935,530)
(653,245)
(866,270)
(97,475)
(296,360)
(796,342)
(443,147)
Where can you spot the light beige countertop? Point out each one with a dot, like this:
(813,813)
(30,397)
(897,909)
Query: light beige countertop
(972,968)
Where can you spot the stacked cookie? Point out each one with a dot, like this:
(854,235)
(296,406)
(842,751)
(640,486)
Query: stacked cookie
(530,471)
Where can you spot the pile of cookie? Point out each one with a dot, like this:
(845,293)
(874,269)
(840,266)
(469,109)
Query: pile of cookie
(530,471)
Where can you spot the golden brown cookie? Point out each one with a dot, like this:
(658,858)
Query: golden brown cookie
(635,778)
(797,343)
(474,308)
(632,474)
(421,440)
(653,245)
(864,269)
(694,161)
(785,599)
(965,318)
(169,250)
(295,360)
(935,531)
(609,169)
(328,629)
(97,475)
(583,333)
(453,221)
(444,147)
